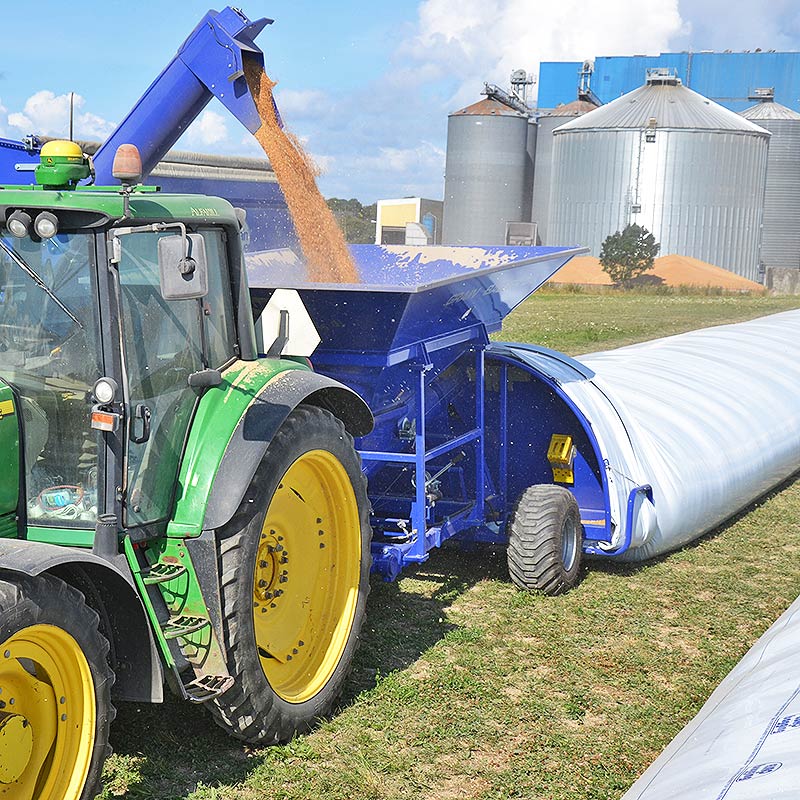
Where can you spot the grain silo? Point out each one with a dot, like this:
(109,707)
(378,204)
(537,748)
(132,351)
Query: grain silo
(547,122)
(780,240)
(488,172)
(669,159)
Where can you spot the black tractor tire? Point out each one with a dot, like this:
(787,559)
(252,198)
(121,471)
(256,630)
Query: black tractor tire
(42,610)
(545,540)
(252,710)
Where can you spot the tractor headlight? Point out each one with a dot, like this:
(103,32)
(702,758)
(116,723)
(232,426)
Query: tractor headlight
(19,224)
(46,225)
(105,391)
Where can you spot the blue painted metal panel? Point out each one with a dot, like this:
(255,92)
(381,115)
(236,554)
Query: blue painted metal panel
(410,295)
(726,78)
(615,75)
(537,407)
(208,64)
(13,153)
(558,82)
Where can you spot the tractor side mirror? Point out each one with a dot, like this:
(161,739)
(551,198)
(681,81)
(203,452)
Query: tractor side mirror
(183,267)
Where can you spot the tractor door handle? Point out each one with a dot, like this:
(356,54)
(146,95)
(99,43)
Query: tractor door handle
(140,424)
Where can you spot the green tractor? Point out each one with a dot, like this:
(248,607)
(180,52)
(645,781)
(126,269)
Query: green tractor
(173,508)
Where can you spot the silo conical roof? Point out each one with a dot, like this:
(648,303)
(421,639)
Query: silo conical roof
(488,107)
(672,105)
(769,110)
(573,109)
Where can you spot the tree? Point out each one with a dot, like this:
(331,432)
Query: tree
(356,221)
(626,254)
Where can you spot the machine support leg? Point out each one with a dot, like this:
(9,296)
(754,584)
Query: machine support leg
(480,447)
(419,509)
(504,439)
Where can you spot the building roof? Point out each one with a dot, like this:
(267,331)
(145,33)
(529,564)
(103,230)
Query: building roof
(487,108)
(573,109)
(770,110)
(672,105)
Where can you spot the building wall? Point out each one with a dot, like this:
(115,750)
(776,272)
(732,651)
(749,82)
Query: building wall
(393,215)
(726,78)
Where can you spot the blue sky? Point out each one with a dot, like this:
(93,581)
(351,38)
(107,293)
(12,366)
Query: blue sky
(366,86)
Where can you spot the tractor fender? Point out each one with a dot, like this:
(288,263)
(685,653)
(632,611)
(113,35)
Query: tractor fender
(109,589)
(260,423)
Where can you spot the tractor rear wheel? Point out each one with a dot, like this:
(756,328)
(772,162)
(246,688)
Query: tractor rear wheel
(295,564)
(55,685)
(545,540)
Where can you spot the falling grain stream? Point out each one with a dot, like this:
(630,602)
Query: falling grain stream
(320,238)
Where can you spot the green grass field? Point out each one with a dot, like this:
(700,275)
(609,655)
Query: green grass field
(467,688)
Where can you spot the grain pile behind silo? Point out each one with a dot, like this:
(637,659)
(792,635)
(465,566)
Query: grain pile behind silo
(669,270)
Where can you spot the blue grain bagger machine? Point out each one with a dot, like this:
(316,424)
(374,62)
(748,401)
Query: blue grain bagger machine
(626,454)
(460,430)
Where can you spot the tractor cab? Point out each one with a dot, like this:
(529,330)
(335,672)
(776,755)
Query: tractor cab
(116,309)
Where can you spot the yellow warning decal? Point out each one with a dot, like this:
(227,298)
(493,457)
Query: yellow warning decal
(6,408)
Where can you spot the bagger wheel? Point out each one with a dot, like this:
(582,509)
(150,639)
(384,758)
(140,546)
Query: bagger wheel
(545,540)
(295,577)
(55,684)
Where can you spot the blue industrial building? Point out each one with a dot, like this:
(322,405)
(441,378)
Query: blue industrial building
(727,78)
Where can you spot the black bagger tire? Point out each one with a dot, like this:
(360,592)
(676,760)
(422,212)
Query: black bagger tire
(545,540)
(252,710)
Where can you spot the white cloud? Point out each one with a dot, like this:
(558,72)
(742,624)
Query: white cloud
(423,156)
(211,128)
(296,104)
(47,114)
(387,172)
(483,40)
(737,25)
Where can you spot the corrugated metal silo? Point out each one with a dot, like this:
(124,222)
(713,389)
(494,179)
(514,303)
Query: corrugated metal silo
(665,157)
(543,163)
(488,173)
(780,241)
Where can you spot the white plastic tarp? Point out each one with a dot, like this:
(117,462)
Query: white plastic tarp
(744,744)
(709,419)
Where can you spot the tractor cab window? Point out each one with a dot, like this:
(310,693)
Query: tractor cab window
(162,348)
(49,353)
(218,305)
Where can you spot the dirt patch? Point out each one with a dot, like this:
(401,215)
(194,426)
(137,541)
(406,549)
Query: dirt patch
(669,270)
(320,237)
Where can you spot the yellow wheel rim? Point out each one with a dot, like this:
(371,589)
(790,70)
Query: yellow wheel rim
(47,715)
(306,577)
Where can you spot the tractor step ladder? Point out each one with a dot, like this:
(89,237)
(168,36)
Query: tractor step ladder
(208,687)
(162,572)
(183,625)
(174,582)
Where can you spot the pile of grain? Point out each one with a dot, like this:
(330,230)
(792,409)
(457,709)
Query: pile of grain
(670,270)
(320,237)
